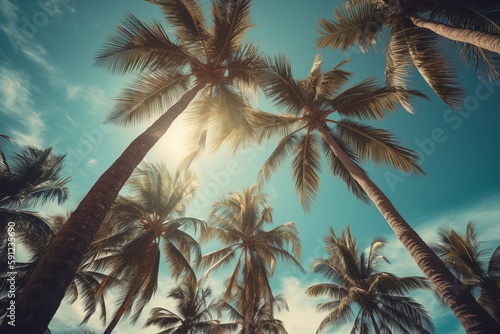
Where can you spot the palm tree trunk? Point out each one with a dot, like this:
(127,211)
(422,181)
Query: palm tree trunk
(487,41)
(473,317)
(42,295)
(123,307)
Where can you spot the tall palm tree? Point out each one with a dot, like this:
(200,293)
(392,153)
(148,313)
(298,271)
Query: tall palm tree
(464,256)
(414,29)
(148,219)
(195,314)
(317,103)
(261,321)
(354,279)
(208,61)
(238,221)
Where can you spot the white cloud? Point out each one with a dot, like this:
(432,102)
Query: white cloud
(72,91)
(302,317)
(92,162)
(17,103)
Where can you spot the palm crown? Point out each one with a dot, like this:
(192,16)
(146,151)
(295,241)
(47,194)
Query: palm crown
(195,312)
(238,222)
(318,101)
(464,255)
(354,279)
(150,217)
(361,23)
(211,56)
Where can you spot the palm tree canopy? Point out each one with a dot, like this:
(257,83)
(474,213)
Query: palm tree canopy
(320,98)
(149,218)
(261,321)
(354,279)
(361,23)
(33,177)
(212,55)
(464,255)
(238,221)
(195,313)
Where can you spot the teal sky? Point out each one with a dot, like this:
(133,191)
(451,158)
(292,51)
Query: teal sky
(51,95)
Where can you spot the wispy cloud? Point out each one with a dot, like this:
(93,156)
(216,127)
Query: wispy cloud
(302,317)
(92,162)
(17,104)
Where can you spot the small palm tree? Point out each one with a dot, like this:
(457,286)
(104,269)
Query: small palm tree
(33,177)
(354,279)
(464,256)
(318,104)
(195,314)
(238,223)
(208,61)
(414,28)
(148,219)
(261,321)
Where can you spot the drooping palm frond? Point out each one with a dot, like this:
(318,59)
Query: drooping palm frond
(150,95)
(433,65)
(306,167)
(379,145)
(339,170)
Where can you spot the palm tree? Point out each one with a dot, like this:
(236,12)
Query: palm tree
(312,104)
(31,177)
(354,279)
(261,321)
(238,222)
(206,61)
(194,313)
(415,28)
(148,219)
(464,256)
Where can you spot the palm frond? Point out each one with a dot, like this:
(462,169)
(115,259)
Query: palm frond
(150,95)
(186,17)
(230,24)
(358,26)
(433,66)
(379,145)
(366,101)
(135,45)
(306,167)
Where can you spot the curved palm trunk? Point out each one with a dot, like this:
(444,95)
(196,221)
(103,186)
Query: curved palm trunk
(123,307)
(487,41)
(473,317)
(42,295)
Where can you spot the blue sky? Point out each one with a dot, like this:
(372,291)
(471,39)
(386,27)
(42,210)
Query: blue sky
(51,95)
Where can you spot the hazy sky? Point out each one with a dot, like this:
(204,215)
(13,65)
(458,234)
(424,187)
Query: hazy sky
(51,95)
